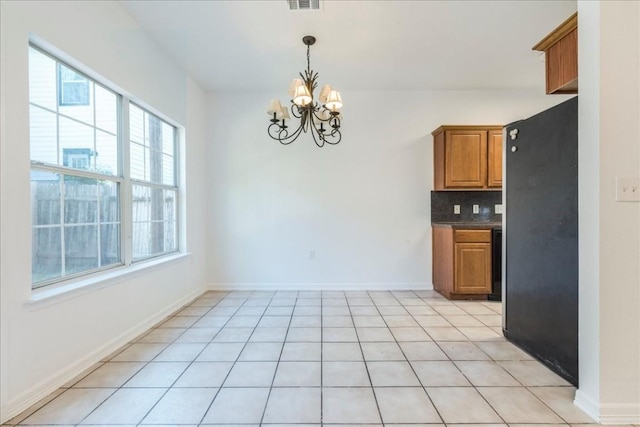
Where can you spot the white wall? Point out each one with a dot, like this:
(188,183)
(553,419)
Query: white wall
(609,51)
(43,344)
(363,206)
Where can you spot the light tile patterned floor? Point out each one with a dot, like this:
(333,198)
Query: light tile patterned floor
(306,357)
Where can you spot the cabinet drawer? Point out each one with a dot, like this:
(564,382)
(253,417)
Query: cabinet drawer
(472,236)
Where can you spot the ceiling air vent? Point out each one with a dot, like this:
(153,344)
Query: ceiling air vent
(304,4)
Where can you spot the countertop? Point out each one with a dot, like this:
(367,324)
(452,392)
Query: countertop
(468,225)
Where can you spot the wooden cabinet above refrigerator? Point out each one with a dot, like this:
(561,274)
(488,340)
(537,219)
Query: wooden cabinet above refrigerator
(561,57)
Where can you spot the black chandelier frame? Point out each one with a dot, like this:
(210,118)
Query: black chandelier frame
(309,114)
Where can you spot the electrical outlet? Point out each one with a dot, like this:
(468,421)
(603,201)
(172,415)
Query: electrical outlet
(312,255)
(476,209)
(498,209)
(627,189)
(456,209)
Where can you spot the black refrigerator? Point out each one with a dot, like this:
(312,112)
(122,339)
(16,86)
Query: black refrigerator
(541,237)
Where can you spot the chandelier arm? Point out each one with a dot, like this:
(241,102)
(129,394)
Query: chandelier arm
(336,137)
(320,140)
(286,139)
(275,131)
(293,111)
(327,120)
(316,110)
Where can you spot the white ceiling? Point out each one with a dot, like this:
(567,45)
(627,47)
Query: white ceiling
(247,45)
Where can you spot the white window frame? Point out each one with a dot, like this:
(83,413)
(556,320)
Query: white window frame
(47,288)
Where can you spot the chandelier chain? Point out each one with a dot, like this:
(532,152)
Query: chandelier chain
(308,60)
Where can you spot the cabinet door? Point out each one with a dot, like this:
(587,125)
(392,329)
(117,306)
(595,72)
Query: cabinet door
(562,65)
(472,268)
(465,159)
(494,178)
(442,256)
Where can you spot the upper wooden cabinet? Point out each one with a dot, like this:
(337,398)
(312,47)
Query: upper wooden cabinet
(467,157)
(561,57)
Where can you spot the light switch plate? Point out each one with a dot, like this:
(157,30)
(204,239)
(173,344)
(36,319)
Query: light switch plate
(627,189)
(456,209)
(476,209)
(498,209)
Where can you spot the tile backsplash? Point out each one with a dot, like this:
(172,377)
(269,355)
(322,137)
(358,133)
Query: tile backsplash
(443,202)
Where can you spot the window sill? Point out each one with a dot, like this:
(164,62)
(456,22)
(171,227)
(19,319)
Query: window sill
(41,298)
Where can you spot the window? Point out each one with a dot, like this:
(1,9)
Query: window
(73,88)
(78,181)
(153,179)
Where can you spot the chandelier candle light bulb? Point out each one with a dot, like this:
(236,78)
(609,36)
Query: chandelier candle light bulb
(334,101)
(320,118)
(302,96)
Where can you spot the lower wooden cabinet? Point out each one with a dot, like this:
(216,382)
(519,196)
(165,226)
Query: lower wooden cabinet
(462,262)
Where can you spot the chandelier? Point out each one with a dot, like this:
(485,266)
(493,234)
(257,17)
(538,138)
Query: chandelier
(321,119)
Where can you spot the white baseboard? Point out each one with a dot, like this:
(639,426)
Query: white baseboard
(230,286)
(620,413)
(588,405)
(31,396)
(608,413)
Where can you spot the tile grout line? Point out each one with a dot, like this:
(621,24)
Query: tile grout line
(453,362)
(110,360)
(364,360)
(545,404)
(198,355)
(144,364)
(522,385)
(191,363)
(204,415)
(275,372)
(232,364)
(407,359)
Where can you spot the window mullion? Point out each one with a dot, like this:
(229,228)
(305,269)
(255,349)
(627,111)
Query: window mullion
(126,192)
(95,159)
(98,224)
(178,189)
(64,170)
(62,243)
